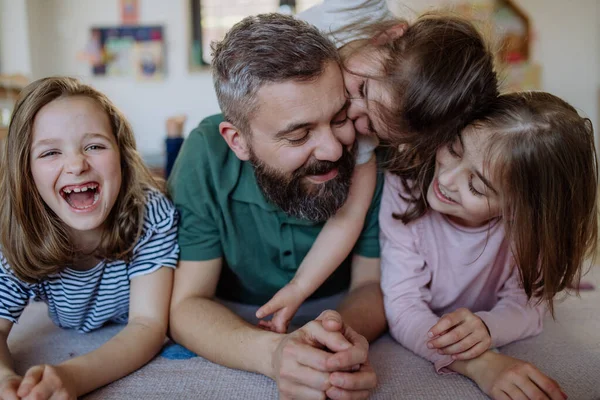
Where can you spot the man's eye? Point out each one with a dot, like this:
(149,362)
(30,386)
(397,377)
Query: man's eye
(299,140)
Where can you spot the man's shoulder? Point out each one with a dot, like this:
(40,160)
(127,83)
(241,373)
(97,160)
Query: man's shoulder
(206,136)
(205,158)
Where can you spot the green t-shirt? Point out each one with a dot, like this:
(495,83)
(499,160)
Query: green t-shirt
(224,214)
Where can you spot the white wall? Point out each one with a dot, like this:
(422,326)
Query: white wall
(14,38)
(567,45)
(61,30)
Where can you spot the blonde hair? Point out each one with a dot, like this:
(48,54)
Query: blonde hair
(33,239)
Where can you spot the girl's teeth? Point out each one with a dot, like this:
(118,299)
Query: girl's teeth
(84,189)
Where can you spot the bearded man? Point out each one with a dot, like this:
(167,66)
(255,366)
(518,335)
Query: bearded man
(254,187)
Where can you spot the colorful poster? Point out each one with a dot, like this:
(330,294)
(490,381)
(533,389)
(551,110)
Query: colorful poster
(128,51)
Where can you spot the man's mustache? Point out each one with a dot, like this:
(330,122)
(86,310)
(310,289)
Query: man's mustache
(318,167)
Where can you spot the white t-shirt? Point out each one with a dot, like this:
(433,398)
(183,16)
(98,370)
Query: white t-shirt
(332,15)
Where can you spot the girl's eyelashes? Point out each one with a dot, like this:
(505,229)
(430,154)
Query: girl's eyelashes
(339,123)
(48,153)
(370,125)
(361,89)
(451,150)
(95,147)
(472,188)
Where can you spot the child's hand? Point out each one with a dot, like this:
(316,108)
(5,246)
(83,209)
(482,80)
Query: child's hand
(9,386)
(283,306)
(44,382)
(505,377)
(461,334)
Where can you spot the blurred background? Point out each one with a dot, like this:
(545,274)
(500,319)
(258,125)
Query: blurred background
(151,56)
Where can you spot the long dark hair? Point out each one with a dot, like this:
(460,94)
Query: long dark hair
(541,153)
(441,77)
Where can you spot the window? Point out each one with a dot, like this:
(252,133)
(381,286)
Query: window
(211,19)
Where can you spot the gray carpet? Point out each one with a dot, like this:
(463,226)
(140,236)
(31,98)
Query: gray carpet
(568,350)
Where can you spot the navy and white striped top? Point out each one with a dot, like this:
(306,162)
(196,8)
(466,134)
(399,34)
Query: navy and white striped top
(86,300)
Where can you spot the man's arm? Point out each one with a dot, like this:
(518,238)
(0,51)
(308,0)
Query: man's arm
(295,361)
(362,308)
(210,329)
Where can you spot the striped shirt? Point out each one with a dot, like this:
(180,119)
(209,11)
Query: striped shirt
(86,300)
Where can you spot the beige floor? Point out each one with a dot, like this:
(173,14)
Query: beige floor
(568,350)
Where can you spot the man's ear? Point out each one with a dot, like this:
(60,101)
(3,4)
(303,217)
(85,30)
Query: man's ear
(390,34)
(235,140)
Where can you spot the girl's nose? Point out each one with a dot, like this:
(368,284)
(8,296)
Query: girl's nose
(76,164)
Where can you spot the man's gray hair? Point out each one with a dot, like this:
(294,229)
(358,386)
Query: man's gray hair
(261,49)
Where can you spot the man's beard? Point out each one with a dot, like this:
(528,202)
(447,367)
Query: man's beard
(301,199)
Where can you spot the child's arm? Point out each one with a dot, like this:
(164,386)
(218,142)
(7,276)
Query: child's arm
(9,380)
(500,376)
(334,243)
(405,277)
(461,334)
(513,317)
(129,350)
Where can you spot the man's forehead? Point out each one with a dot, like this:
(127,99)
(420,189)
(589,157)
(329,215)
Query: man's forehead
(315,100)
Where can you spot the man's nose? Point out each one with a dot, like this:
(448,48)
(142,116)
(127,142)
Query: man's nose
(329,148)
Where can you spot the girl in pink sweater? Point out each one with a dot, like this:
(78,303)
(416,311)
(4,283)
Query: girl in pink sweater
(508,217)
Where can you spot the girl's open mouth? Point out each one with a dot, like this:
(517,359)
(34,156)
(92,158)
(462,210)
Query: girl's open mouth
(81,197)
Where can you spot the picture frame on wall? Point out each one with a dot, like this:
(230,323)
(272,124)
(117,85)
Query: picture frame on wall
(209,20)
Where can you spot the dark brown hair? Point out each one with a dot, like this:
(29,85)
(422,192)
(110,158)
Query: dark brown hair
(541,154)
(441,74)
(33,239)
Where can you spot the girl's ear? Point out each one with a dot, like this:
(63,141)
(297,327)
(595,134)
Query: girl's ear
(235,140)
(390,34)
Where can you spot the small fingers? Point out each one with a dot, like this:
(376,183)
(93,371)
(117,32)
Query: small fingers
(548,385)
(498,394)
(445,323)
(266,325)
(516,393)
(269,308)
(460,346)
(472,353)
(449,338)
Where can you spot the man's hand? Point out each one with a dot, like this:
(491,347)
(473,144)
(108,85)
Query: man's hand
(301,361)
(353,376)
(305,368)
(9,386)
(507,378)
(461,334)
(44,382)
